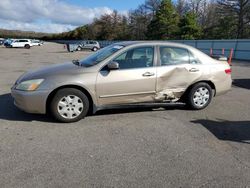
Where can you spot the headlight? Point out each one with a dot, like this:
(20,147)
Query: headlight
(29,85)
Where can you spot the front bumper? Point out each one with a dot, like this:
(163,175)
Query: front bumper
(30,101)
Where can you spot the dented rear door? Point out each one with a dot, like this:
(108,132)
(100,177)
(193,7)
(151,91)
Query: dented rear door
(175,72)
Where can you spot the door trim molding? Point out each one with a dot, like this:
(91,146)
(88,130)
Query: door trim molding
(127,94)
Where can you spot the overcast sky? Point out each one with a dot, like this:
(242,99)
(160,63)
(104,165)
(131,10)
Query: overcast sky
(54,16)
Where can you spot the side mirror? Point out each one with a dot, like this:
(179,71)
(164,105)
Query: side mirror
(113,65)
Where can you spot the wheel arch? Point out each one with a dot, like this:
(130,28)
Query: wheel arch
(82,89)
(210,83)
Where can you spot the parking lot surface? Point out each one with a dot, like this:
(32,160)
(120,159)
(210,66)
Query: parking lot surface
(138,147)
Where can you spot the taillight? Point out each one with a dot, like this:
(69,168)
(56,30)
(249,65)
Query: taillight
(228,71)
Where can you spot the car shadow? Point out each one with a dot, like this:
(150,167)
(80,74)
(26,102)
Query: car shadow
(243,83)
(9,111)
(235,131)
(139,108)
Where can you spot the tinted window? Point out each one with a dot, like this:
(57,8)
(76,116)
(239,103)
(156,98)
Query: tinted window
(172,55)
(136,58)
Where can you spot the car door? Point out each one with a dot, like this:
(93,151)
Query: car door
(15,43)
(87,45)
(22,43)
(133,82)
(177,69)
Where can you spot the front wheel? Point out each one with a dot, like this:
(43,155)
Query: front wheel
(200,96)
(69,105)
(95,49)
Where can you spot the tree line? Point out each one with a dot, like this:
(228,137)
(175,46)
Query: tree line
(166,19)
(4,33)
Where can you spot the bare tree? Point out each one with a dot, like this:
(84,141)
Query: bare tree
(181,7)
(152,6)
(238,9)
(139,20)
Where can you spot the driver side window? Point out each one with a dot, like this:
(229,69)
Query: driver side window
(140,57)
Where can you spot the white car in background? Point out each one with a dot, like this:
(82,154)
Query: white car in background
(21,43)
(36,43)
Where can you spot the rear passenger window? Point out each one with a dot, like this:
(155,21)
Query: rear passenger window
(172,55)
(136,58)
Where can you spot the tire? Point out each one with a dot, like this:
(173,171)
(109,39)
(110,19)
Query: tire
(199,96)
(27,46)
(69,105)
(95,49)
(79,48)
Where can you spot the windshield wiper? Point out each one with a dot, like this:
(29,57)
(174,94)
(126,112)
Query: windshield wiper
(76,62)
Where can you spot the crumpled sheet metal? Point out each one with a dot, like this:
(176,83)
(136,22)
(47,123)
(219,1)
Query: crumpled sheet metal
(171,84)
(167,94)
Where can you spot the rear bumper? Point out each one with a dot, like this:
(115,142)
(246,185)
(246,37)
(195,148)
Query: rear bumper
(223,87)
(31,102)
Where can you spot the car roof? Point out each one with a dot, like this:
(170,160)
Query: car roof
(130,43)
(195,51)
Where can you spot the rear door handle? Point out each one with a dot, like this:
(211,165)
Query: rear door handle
(193,70)
(148,74)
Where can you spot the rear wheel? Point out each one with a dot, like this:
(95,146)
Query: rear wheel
(199,96)
(27,46)
(79,48)
(69,105)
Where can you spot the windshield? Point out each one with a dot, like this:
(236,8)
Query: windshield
(100,55)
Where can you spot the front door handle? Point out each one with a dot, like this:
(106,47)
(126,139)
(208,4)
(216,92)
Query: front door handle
(148,74)
(193,70)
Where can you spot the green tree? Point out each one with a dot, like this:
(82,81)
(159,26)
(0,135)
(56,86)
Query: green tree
(165,23)
(189,27)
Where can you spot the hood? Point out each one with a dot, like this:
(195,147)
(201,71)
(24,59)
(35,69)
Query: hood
(53,70)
